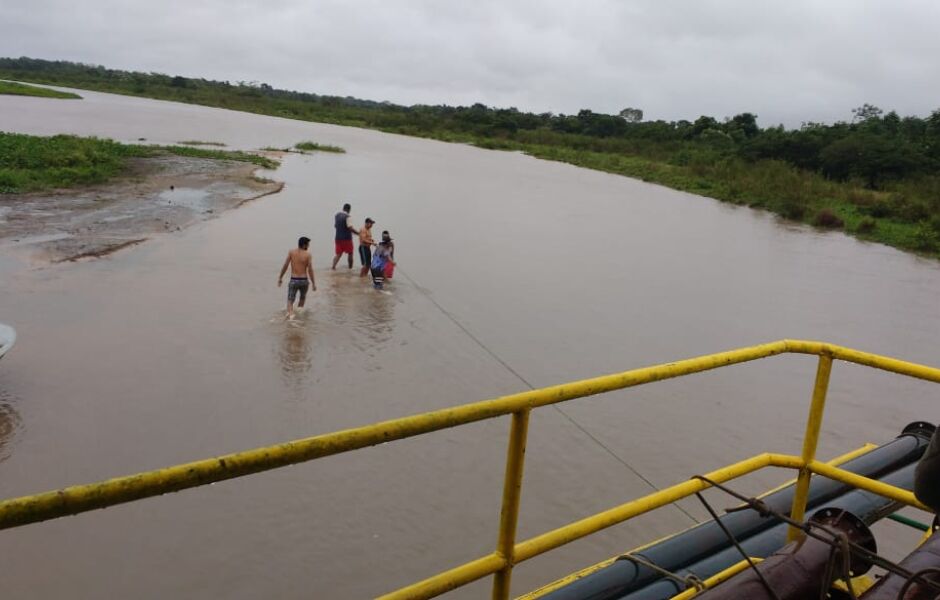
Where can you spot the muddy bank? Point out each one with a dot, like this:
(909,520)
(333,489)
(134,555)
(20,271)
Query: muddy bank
(158,195)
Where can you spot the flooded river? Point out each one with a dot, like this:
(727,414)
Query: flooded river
(513,272)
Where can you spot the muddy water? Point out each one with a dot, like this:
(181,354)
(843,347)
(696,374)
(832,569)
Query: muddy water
(513,272)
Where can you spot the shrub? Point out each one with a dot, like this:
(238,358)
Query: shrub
(312,146)
(494,144)
(682,158)
(793,208)
(880,209)
(925,237)
(913,211)
(859,197)
(828,219)
(866,225)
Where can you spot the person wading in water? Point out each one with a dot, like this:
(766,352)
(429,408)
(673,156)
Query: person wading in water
(344,232)
(301,265)
(365,247)
(382,261)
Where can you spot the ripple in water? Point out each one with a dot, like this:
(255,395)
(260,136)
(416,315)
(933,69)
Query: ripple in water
(10,425)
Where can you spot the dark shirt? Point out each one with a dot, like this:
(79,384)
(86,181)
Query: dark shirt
(342,229)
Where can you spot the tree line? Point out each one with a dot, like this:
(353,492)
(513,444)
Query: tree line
(896,158)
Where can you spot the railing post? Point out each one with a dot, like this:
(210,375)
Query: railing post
(810,438)
(512,491)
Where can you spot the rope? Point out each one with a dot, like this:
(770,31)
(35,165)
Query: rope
(810,529)
(689,581)
(840,542)
(734,541)
(525,382)
(914,577)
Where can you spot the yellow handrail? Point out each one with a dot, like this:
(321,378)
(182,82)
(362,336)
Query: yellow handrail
(571,577)
(82,498)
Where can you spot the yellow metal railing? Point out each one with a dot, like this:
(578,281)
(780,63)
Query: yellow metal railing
(82,498)
(711,581)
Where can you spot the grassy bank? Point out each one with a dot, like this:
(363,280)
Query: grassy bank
(201,143)
(32,163)
(792,193)
(315,147)
(876,177)
(18,89)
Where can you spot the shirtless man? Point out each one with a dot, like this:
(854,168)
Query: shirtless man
(301,264)
(365,246)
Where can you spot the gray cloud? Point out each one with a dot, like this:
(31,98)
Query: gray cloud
(794,61)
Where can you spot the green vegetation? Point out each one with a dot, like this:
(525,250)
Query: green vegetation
(876,176)
(311,146)
(262,161)
(31,163)
(18,89)
(200,143)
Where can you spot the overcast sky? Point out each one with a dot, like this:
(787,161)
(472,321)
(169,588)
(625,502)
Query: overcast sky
(787,61)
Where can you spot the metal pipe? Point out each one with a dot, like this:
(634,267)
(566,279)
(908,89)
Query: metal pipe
(82,498)
(867,359)
(889,586)
(512,491)
(577,530)
(902,496)
(450,579)
(867,506)
(613,578)
(717,578)
(801,569)
(810,441)
(491,563)
(912,523)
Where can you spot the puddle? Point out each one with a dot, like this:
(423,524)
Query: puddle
(198,200)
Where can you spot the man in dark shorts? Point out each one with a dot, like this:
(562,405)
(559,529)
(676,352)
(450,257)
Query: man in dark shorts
(344,232)
(301,265)
(365,246)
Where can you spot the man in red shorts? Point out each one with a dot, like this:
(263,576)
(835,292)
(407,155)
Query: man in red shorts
(344,232)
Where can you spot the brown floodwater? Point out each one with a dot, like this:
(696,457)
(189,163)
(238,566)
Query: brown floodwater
(513,272)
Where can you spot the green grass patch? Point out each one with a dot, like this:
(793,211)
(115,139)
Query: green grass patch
(19,89)
(32,163)
(201,143)
(313,146)
(261,161)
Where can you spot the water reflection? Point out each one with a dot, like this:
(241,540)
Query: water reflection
(294,347)
(366,317)
(10,424)
(377,320)
(346,317)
